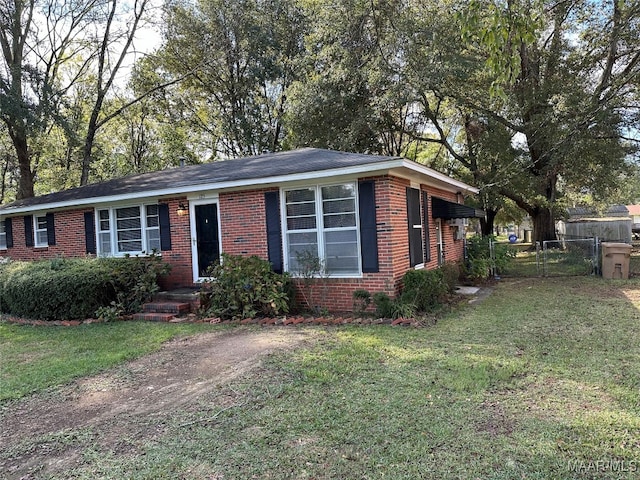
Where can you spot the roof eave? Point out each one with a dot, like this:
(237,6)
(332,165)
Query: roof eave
(370,169)
(440,178)
(377,168)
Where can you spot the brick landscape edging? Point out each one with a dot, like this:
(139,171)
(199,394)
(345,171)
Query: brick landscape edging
(300,320)
(263,321)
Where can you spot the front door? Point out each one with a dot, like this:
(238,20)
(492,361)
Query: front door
(207,237)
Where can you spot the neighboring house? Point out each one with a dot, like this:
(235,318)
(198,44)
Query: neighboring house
(612,225)
(634,213)
(368,218)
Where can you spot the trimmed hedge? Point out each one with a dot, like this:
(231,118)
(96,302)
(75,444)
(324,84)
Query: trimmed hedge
(71,289)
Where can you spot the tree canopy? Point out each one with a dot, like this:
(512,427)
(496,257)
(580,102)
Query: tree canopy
(534,101)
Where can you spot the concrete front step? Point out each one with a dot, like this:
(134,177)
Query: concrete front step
(175,308)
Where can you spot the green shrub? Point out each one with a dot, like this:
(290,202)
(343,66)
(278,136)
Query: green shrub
(135,280)
(67,289)
(245,287)
(479,268)
(5,265)
(386,307)
(402,309)
(55,290)
(424,289)
(450,275)
(361,300)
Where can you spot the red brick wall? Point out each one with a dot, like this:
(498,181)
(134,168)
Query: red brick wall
(399,222)
(243,223)
(70,242)
(180,254)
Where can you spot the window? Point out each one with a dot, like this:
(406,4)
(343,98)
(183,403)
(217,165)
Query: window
(153,228)
(3,236)
(321,222)
(128,230)
(104,232)
(40,231)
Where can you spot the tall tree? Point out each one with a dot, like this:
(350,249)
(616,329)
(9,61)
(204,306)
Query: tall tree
(114,38)
(349,96)
(51,49)
(239,59)
(8,170)
(36,38)
(558,77)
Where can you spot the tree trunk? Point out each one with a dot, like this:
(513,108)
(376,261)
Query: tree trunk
(5,169)
(486,224)
(87,151)
(25,182)
(544,227)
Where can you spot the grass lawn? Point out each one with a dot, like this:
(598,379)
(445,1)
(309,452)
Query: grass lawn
(540,381)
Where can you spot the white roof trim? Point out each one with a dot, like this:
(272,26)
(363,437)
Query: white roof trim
(441,177)
(369,169)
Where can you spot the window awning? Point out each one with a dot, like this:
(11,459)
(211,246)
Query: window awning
(446,210)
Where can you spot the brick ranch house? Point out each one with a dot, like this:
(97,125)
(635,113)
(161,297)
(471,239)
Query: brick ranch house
(368,218)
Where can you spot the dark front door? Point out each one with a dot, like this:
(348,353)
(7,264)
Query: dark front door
(207,237)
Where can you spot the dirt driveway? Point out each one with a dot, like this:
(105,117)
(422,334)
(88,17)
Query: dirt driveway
(128,397)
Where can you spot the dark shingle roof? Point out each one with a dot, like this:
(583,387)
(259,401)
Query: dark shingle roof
(243,169)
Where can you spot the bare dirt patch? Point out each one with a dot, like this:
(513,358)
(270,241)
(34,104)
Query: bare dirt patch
(42,434)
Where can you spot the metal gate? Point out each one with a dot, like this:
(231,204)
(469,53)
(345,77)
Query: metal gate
(567,257)
(572,257)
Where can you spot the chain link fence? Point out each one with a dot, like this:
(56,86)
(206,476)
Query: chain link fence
(570,257)
(565,257)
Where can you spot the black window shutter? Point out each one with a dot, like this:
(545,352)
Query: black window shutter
(274,230)
(425,223)
(165,227)
(51,229)
(368,226)
(89,232)
(414,226)
(28,230)
(8,229)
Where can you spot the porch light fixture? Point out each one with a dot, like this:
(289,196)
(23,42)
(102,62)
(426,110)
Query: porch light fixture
(182,210)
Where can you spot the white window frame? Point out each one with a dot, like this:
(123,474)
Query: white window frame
(148,229)
(3,235)
(100,233)
(320,228)
(36,231)
(113,232)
